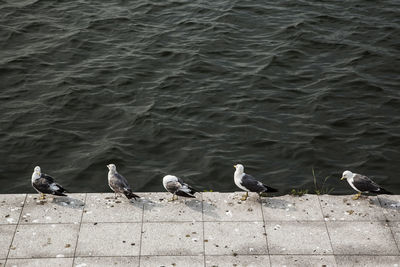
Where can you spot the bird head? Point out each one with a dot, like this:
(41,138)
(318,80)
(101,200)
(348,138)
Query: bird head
(112,167)
(37,170)
(346,175)
(239,168)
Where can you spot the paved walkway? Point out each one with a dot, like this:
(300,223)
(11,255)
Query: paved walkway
(216,229)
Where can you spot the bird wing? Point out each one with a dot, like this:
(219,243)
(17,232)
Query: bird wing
(252,184)
(363,183)
(186,187)
(119,182)
(47,185)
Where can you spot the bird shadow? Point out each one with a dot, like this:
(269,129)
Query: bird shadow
(277,203)
(194,205)
(209,209)
(390,204)
(149,204)
(68,202)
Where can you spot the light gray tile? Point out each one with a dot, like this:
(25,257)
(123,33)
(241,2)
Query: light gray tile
(44,240)
(106,261)
(395,228)
(172,238)
(229,207)
(10,207)
(172,261)
(302,260)
(6,236)
(291,208)
(109,239)
(44,262)
(105,208)
(298,238)
(238,260)
(53,209)
(390,206)
(231,238)
(344,208)
(368,261)
(369,238)
(158,208)
(2,263)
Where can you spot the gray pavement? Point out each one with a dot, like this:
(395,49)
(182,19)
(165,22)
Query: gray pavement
(216,229)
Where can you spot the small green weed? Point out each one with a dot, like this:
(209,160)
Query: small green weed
(321,190)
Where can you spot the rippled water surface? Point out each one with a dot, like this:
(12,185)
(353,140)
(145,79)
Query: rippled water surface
(192,87)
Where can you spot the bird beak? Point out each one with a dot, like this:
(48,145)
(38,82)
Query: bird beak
(108,166)
(234,166)
(342,178)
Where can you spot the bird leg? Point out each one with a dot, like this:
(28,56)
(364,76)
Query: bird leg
(115,196)
(245,196)
(357,196)
(42,196)
(173,198)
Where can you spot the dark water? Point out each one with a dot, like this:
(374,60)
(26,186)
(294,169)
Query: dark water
(192,87)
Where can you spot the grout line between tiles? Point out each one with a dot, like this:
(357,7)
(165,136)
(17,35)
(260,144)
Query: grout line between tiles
(141,237)
(79,229)
(265,230)
(326,227)
(202,222)
(15,230)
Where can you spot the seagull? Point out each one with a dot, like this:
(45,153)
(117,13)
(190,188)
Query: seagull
(362,184)
(45,184)
(178,187)
(248,183)
(118,183)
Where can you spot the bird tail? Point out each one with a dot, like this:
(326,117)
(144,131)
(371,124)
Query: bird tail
(185,194)
(384,191)
(130,195)
(270,189)
(60,191)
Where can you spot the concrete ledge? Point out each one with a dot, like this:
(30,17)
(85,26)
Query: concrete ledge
(216,229)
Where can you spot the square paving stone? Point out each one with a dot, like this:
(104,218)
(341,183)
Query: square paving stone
(105,208)
(298,238)
(109,239)
(44,240)
(390,206)
(53,209)
(234,238)
(106,261)
(11,207)
(291,208)
(368,261)
(367,238)
(2,263)
(172,238)
(395,227)
(158,208)
(44,262)
(343,208)
(229,207)
(303,260)
(239,260)
(172,261)
(6,236)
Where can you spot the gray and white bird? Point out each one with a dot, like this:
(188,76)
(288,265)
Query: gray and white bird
(178,187)
(118,183)
(248,183)
(362,184)
(45,184)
